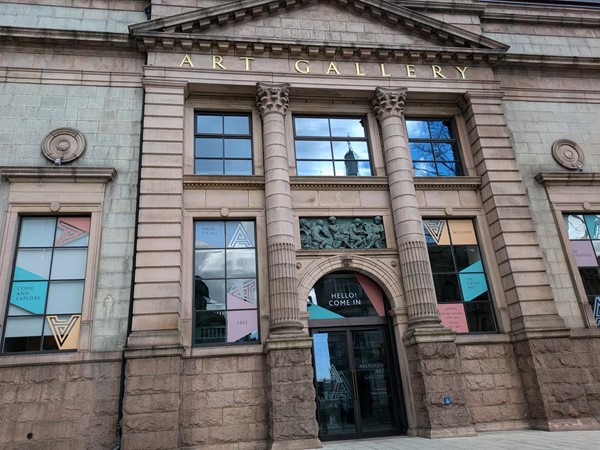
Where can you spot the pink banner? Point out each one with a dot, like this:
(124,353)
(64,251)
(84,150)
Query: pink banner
(241,323)
(453,317)
(584,253)
(374,293)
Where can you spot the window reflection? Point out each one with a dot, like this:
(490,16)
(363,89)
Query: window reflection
(433,148)
(331,146)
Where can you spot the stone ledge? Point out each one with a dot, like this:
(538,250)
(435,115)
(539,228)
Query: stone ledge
(223,351)
(223,182)
(568,178)
(53,358)
(61,174)
(470,339)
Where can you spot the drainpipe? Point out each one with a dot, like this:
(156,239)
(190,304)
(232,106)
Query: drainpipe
(119,431)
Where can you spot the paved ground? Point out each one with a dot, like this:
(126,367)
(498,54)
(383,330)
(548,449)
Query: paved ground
(506,440)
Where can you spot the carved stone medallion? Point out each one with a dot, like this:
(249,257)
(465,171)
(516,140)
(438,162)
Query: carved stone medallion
(64,144)
(568,154)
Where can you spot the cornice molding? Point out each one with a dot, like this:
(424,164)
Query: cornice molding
(72,37)
(339,183)
(212,182)
(62,174)
(568,178)
(447,183)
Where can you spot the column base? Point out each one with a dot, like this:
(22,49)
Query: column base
(302,444)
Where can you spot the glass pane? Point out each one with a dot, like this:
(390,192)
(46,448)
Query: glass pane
(65,297)
(241,264)
(593,225)
(591,281)
(446,288)
(360,150)
(212,294)
(447,169)
(466,257)
(425,169)
(29,295)
(16,311)
(364,169)
(241,294)
(444,152)
(237,124)
(210,327)
(462,232)
(24,326)
(373,381)
(417,129)
(240,234)
(209,167)
(242,326)
(33,264)
(480,317)
(210,234)
(72,232)
(311,126)
(347,127)
(315,168)
(473,286)
(37,232)
(313,150)
(209,148)
(69,264)
(61,332)
(440,129)
(209,124)
(209,294)
(210,264)
(238,148)
(421,151)
(576,227)
(238,167)
(441,258)
(335,399)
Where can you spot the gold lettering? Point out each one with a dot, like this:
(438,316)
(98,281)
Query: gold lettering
(218,62)
(247,59)
(437,72)
(358,70)
(383,72)
(410,71)
(332,68)
(186,60)
(305,63)
(462,71)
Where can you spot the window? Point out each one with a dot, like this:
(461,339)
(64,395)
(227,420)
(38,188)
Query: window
(433,148)
(46,293)
(584,234)
(331,146)
(223,144)
(225,300)
(459,277)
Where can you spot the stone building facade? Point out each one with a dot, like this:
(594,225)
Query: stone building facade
(269,223)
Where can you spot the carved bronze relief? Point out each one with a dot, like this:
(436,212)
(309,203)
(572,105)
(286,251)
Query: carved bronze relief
(326,233)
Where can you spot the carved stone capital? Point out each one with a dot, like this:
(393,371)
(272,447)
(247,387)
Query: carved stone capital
(388,102)
(272,98)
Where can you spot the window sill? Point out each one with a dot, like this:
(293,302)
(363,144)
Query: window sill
(62,174)
(446,183)
(483,338)
(223,182)
(224,350)
(339,183)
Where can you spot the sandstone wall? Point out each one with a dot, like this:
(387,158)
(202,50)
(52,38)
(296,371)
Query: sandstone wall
(494,392)
(59,406)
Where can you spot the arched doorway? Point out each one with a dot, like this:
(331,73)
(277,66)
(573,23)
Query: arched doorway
(356,373)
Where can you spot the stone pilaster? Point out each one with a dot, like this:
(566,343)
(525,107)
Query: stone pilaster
(292,404)
(552,370)
(432,354)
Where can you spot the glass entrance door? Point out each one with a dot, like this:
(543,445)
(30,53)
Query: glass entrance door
(354,383)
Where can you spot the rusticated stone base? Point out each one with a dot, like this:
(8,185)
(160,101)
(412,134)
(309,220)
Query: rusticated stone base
(292,405)
(152,403)
(436,374)
(561,382)
(60,406)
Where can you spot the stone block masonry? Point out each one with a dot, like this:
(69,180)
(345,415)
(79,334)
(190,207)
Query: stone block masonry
(59,406)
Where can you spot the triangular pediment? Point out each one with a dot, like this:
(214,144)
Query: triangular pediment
(348,28)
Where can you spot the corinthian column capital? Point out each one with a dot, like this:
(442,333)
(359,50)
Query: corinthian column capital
(388,102)
(272,98)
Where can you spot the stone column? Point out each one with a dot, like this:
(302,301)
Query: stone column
(292,395)
(430,349)
(412,248)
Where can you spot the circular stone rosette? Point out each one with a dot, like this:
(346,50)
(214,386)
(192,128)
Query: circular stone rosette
(65,144)
(568,154)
